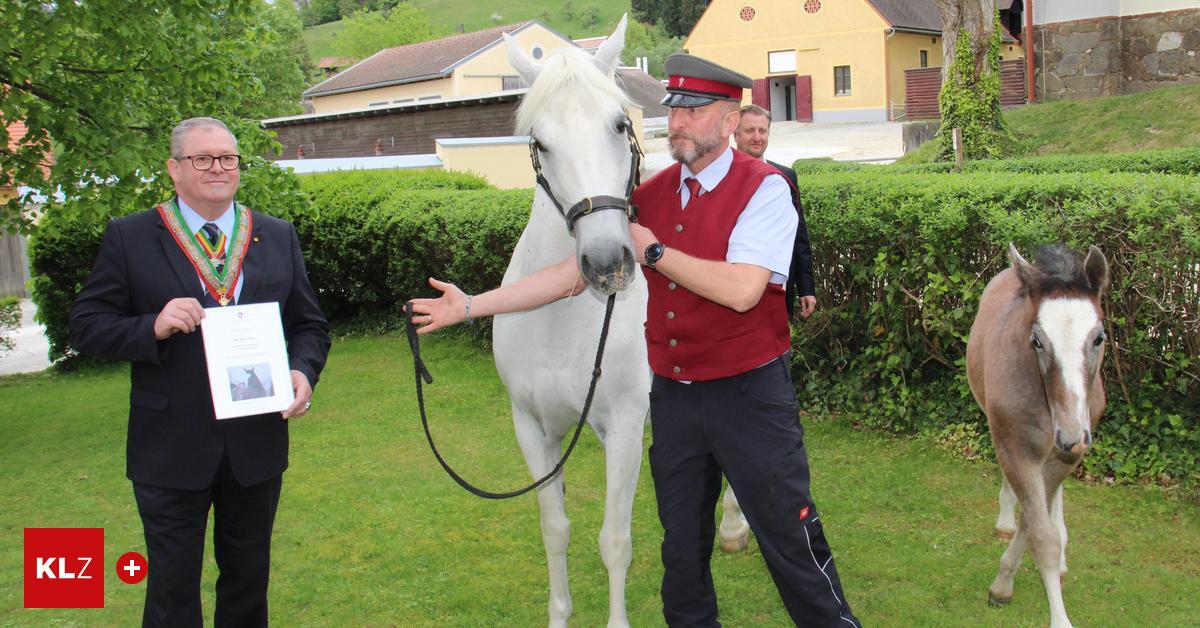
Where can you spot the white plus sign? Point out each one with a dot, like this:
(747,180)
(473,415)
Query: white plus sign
(132,568)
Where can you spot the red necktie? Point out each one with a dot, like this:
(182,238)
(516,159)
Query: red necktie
(693,186)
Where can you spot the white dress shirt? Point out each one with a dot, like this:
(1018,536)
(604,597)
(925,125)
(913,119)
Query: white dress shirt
(766,230)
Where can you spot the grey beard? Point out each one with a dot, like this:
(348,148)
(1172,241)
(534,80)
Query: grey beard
(698,150)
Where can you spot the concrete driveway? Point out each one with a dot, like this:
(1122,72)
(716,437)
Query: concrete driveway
(880,142)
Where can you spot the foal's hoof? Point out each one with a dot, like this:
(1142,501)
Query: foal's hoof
(736,544)
(1005,535)
(996,600)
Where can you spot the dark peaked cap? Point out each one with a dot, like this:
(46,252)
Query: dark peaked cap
(695,82)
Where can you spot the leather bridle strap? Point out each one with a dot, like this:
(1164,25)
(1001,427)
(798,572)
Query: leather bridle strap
(422,373)
(592,204)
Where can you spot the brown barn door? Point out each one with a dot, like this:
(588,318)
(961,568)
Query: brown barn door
(804,109)
(760,94)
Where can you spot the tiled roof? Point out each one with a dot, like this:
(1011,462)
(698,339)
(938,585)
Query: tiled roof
(910,14)
(590,43)
(921,15)
(407,64)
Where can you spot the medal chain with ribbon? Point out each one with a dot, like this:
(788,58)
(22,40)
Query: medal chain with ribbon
(204,256)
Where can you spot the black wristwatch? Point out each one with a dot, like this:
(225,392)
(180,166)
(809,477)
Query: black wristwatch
(654,252)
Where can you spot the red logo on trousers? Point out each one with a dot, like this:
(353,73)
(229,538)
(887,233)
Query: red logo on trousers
(64,568)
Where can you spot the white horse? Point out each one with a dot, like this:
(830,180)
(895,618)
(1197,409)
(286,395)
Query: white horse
(575,115)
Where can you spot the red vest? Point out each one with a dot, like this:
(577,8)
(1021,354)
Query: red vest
(690,338)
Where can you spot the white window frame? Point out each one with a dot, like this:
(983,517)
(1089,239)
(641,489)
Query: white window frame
(781,61)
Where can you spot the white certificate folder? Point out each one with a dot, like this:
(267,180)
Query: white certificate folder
(247,360)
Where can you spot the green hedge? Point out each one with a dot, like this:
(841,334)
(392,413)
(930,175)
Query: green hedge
(367,260)
(1177,161)
(900,262)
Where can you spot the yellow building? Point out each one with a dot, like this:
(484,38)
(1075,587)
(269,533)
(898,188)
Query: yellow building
(827,60)
(453,67)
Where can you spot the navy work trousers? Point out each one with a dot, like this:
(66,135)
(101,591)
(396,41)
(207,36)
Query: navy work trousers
(746,426)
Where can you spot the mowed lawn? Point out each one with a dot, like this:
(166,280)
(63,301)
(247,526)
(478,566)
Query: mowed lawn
(370,532)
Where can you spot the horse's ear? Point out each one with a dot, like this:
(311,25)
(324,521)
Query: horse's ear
(608,56)
(1026,272)
(521,61)
(1096,269)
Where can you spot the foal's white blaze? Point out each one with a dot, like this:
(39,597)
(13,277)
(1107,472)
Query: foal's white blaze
(1067,324)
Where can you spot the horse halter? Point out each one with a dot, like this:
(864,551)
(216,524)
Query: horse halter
(591,204)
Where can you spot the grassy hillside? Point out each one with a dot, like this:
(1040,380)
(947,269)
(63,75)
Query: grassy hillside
(1164,118)
(319,40)
(448,15)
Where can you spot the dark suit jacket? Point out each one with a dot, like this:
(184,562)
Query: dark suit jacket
(800,277)
(174,439)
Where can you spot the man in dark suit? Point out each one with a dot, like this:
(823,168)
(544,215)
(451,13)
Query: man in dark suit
(143,302)
(752,136)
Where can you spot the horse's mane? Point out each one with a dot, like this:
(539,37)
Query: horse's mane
(1062,270)
(567,71)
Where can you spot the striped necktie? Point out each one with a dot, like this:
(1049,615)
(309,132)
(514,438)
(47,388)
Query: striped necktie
(212,233)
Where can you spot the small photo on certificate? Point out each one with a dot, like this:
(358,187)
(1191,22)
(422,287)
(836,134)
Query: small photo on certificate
(247,360)
(251,382)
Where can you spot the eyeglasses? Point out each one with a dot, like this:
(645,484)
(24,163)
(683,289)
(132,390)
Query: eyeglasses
(205,162)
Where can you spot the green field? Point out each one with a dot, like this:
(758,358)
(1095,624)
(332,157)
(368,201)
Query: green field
(1164,118)
(370,531)
(449,16)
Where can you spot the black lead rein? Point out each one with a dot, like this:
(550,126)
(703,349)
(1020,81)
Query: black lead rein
(423,373)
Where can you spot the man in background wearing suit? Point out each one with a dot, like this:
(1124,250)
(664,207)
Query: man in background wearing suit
(752,136)
(156,271)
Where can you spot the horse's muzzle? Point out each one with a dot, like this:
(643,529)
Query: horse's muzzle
(1076,447)
(609,275)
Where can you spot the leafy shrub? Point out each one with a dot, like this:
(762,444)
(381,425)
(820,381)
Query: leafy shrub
(61,255)
(901,260)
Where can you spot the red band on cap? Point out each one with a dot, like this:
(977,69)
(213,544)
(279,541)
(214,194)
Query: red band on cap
(693,84)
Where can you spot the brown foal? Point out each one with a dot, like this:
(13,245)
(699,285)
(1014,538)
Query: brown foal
(1033,362)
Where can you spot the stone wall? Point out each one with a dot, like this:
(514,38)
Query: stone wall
(1116,55)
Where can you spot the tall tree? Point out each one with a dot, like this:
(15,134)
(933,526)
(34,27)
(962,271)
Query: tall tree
(645,11)
(100,90)
(970,95)
(678,17)
(978,19)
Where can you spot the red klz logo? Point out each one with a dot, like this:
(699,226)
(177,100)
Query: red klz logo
(64,568)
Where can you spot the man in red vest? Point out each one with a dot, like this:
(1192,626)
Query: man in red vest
(715,236)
